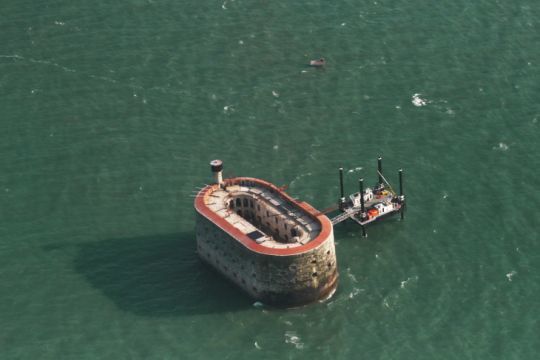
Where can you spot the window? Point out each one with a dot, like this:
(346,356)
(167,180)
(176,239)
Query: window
(245,202)
(294,232)
(238,202)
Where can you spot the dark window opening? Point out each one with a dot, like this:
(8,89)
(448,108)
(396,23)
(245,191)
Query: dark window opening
(238,202)
(254,235)
(245,202)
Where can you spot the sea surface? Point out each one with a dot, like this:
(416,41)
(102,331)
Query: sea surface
(112,110)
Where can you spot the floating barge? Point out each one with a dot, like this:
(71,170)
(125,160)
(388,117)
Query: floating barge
(372,204)
(277,249)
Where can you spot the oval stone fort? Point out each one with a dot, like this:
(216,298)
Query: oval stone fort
(277,249)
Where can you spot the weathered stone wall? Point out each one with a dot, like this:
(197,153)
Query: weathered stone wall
(273,279)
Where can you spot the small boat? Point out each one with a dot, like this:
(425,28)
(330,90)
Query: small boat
(318,62)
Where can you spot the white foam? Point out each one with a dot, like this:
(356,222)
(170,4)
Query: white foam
(257,346)
(408,281)
(241,42)
(275,93)
(418,101)
(275,147)
(351,276)
(291,337)
(258,304)
(502,146)
(298,178)
(511,274)
(355,169)
(355,292)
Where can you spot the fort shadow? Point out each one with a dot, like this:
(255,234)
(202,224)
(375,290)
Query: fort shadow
(159,275)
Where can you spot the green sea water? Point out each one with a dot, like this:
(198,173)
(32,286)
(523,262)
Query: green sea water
(111,111)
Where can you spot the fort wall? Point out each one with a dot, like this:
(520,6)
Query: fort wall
(286,280)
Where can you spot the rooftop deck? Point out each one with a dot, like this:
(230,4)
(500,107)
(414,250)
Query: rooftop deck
(263,214)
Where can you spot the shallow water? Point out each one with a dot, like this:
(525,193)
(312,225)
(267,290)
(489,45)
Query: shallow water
(111,113)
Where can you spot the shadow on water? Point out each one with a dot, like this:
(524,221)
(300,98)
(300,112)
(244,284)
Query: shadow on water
(159,275)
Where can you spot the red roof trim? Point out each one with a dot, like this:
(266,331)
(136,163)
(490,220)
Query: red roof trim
(326,225)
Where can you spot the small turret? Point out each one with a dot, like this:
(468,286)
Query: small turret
(217,170)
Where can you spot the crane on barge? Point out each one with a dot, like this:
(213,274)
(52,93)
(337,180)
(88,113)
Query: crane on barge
(371,204)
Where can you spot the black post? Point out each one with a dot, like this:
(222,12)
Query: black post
(379,167)
(362,206)
(402,210)
(342,194)
(400,181)
(361,183)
